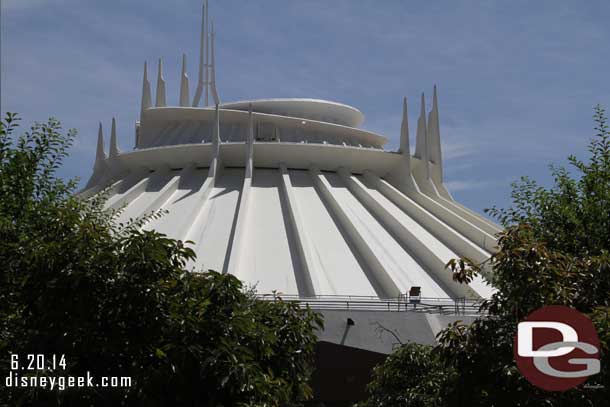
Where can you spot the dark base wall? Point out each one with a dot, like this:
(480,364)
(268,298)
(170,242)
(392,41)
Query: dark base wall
(353,342)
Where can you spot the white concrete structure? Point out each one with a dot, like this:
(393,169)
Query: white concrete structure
(292,195)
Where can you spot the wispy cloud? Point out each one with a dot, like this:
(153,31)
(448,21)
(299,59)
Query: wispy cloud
(453,150)
(467,185)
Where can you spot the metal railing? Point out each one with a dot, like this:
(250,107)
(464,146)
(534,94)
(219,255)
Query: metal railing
(404,303)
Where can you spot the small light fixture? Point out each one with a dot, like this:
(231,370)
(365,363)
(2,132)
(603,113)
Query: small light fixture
(303,122)
(415,294)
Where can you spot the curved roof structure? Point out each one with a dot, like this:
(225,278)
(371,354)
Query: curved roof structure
(302,216)
(292,197)
(313,109)
(177,125)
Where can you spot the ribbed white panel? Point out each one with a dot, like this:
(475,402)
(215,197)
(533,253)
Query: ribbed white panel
(212,229)
(269,261)
(336,271)
(306,232)
(400,265)
(143,196)
(181,206)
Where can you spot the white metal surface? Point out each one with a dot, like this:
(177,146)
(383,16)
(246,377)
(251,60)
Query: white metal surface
(290,195)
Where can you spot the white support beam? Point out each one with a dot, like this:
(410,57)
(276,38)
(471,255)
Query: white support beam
(215,165)
(478,236)
(250,144)
(410,237)
(470,215)
(132,193)
(214,173)
(167,191)
(376,273)
(114,186)
(194,217)
(310,267)
(456,241)
(441,188)
(239,235)
(238,245)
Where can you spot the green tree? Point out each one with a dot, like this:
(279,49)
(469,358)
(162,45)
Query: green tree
(411,376)
(554,250)
(117,300)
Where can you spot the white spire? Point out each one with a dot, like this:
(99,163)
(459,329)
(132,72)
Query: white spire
(200,82)
(404,130)
(160,86)
(114,149)
(213,70)
(100,154)
(420,140)
(184,84)
(434,137)
(207,54)
(422,137)
(146,98)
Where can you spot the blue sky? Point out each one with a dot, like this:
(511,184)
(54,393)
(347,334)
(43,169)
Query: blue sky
(517,79)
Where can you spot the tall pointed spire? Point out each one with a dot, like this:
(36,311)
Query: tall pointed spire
(420,140)
(160,102)
(213,69)
(146,98)
(207,55)
(100,154)
(114,149)
(404,130)
(200,78)
(184,84)
(434,137)
(421,146)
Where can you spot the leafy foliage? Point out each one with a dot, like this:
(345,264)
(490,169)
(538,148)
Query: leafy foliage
(554,250)
(573,215)
(411,376)
(117,300)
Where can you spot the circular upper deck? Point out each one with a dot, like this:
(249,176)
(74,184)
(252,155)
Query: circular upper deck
(312,109)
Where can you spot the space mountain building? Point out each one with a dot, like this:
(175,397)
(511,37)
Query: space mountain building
(294,197)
